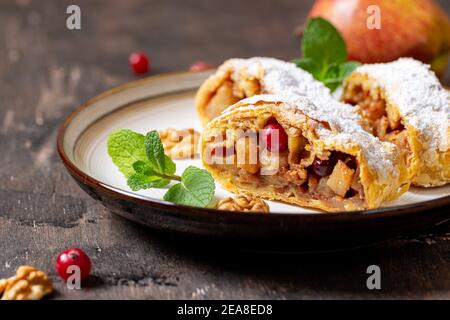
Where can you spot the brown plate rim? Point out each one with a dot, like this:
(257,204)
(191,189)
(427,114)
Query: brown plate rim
(182,210)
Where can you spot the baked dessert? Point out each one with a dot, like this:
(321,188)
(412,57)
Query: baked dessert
(237,79)
(404,103)
(287,148)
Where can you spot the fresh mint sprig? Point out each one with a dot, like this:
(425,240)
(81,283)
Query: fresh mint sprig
(196,188)
(325,53)
(142,161)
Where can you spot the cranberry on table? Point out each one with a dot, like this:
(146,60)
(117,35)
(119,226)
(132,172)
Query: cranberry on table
(73,257)
(139,62)
(270,132)
(200,66)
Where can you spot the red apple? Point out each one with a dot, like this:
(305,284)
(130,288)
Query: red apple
(409,28)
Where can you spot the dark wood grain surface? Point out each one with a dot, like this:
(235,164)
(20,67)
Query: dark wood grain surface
(47,70)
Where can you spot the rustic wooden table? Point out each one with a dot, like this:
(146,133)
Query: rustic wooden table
(47,70)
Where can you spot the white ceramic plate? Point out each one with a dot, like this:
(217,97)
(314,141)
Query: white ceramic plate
(174,110)
(168,101)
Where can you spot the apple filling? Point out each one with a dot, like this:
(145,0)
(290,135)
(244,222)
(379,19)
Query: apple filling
(382,119)
(230,92)
(290,167)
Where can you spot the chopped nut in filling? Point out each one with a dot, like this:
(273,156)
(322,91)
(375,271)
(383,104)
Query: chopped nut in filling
(383,120)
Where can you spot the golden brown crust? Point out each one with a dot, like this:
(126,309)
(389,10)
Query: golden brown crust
(427,166)
(219,92)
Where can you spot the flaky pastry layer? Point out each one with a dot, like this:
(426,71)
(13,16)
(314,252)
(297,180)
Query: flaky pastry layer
(237,79)
(404,103)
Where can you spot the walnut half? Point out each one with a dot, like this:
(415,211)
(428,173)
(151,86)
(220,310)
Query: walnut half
(180,144)
(243,202)
(28,284)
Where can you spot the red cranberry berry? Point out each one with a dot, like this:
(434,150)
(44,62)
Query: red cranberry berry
(73,257)
(200,66)
(269,136)
(323,167)
(139,62)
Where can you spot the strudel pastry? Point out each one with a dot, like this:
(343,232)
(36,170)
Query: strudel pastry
(317,158)
(404,103)
(237,79)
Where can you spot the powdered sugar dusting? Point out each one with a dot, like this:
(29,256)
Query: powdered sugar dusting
(421,99)
(279,76)
(379,155)
(285,78)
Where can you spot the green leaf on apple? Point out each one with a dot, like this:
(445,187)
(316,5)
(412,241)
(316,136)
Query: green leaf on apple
(325,53)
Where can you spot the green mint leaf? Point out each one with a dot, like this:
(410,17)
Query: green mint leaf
(128,152)
(332,84)
(155,151)
(145,177)
(324,53)
(196,188)
(125,147)
(140,181)
(337,73)
(323,43)
(311,66)
(346,68)
(142,167)
(143,162)
(170,166)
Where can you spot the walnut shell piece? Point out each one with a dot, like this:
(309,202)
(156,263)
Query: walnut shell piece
(243,202)
(180,144)
(28,284)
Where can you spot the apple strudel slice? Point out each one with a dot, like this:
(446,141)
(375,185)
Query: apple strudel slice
(403,102)
(237,79)
(288,149)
